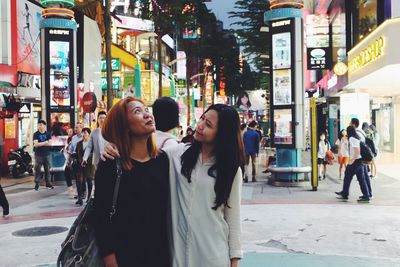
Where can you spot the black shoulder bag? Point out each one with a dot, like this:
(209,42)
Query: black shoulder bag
(80,247)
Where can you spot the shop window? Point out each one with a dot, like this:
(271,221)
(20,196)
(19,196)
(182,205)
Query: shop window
(366,18)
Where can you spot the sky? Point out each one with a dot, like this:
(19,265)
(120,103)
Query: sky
(221,9)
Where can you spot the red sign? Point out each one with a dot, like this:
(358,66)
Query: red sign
(89,102)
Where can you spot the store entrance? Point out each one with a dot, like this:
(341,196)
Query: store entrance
(383,118)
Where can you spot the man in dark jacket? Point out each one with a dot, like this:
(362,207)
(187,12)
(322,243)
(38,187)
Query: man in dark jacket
(251,141)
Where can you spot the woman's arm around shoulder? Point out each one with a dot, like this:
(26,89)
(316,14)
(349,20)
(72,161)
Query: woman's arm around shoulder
(232,217)
(175,151)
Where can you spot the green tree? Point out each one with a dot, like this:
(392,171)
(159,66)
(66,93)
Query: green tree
(250,16)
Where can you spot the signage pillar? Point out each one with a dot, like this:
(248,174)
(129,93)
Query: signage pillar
(287,86)
(58,62)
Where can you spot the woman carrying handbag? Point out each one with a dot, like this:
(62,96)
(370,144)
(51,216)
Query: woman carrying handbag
(137,234)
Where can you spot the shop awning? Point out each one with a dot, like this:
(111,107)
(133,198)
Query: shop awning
(8,88)
(126,58)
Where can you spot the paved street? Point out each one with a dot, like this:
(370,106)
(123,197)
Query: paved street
(282,226)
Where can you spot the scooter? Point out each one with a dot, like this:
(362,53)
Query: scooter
(19,162)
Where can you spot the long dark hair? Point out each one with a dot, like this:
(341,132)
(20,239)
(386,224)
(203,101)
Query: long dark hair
(351,132)
(228,152)
(341,135)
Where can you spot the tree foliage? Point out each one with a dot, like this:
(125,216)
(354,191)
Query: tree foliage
(250,19)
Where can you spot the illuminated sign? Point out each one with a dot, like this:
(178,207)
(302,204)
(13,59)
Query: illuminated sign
(318,58)
(59,59)
(59,32)
(115,64)
(340,68)
(274,4)
(366,56)
(116,83)
(280,23)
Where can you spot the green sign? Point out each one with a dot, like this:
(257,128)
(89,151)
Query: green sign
(181,84)
(115,64)
(116,82)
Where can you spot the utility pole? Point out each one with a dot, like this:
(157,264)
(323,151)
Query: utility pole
(107,36)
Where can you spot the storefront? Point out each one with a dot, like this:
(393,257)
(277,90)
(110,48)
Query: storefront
(374,67)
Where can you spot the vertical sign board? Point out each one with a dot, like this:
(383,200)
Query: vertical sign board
(59,80)
(282,83)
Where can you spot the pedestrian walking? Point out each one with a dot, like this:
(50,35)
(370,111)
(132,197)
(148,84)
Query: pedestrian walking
(376,138)
(72,153)
(41,142)
(251,141)
(355,167)
(4,202)
(96,142)
(323,147)
(362,137)
(166,115)
(86,168)
(189,138)
(68,167)
(205,184)
(137,235)
(343,151)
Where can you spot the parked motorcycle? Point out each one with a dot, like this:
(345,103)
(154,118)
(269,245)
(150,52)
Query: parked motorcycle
(19,162)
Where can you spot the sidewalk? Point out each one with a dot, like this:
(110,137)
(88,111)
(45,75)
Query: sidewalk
(281,226)
(11,181)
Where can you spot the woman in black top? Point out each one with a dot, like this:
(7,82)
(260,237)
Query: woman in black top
(137,234)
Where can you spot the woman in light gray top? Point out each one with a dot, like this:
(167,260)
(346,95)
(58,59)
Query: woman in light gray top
(206,192)
(205,181)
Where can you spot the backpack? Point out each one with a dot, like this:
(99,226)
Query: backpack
(366,153)
(371,144)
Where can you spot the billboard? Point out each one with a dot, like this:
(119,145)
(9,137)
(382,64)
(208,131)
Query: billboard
(28,18)
(59,73)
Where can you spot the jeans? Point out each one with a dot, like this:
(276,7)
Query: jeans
(357,168)
(45,161)
(367,179)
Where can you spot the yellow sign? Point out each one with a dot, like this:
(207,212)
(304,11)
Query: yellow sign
(10,127)
(366,56)
(340,69)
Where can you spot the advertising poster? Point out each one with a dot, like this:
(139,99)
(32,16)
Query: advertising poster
(282,53)
(9,130)
(28,18)
(59,73)
(283,134)
(282,87)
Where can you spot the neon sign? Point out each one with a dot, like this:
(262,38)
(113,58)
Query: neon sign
(368,55)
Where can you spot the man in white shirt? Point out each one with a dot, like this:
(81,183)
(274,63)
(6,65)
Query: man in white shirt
(166,116)
(361,134)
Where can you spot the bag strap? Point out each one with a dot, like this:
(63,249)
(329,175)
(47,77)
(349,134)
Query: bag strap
(116,189)
(165,141)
